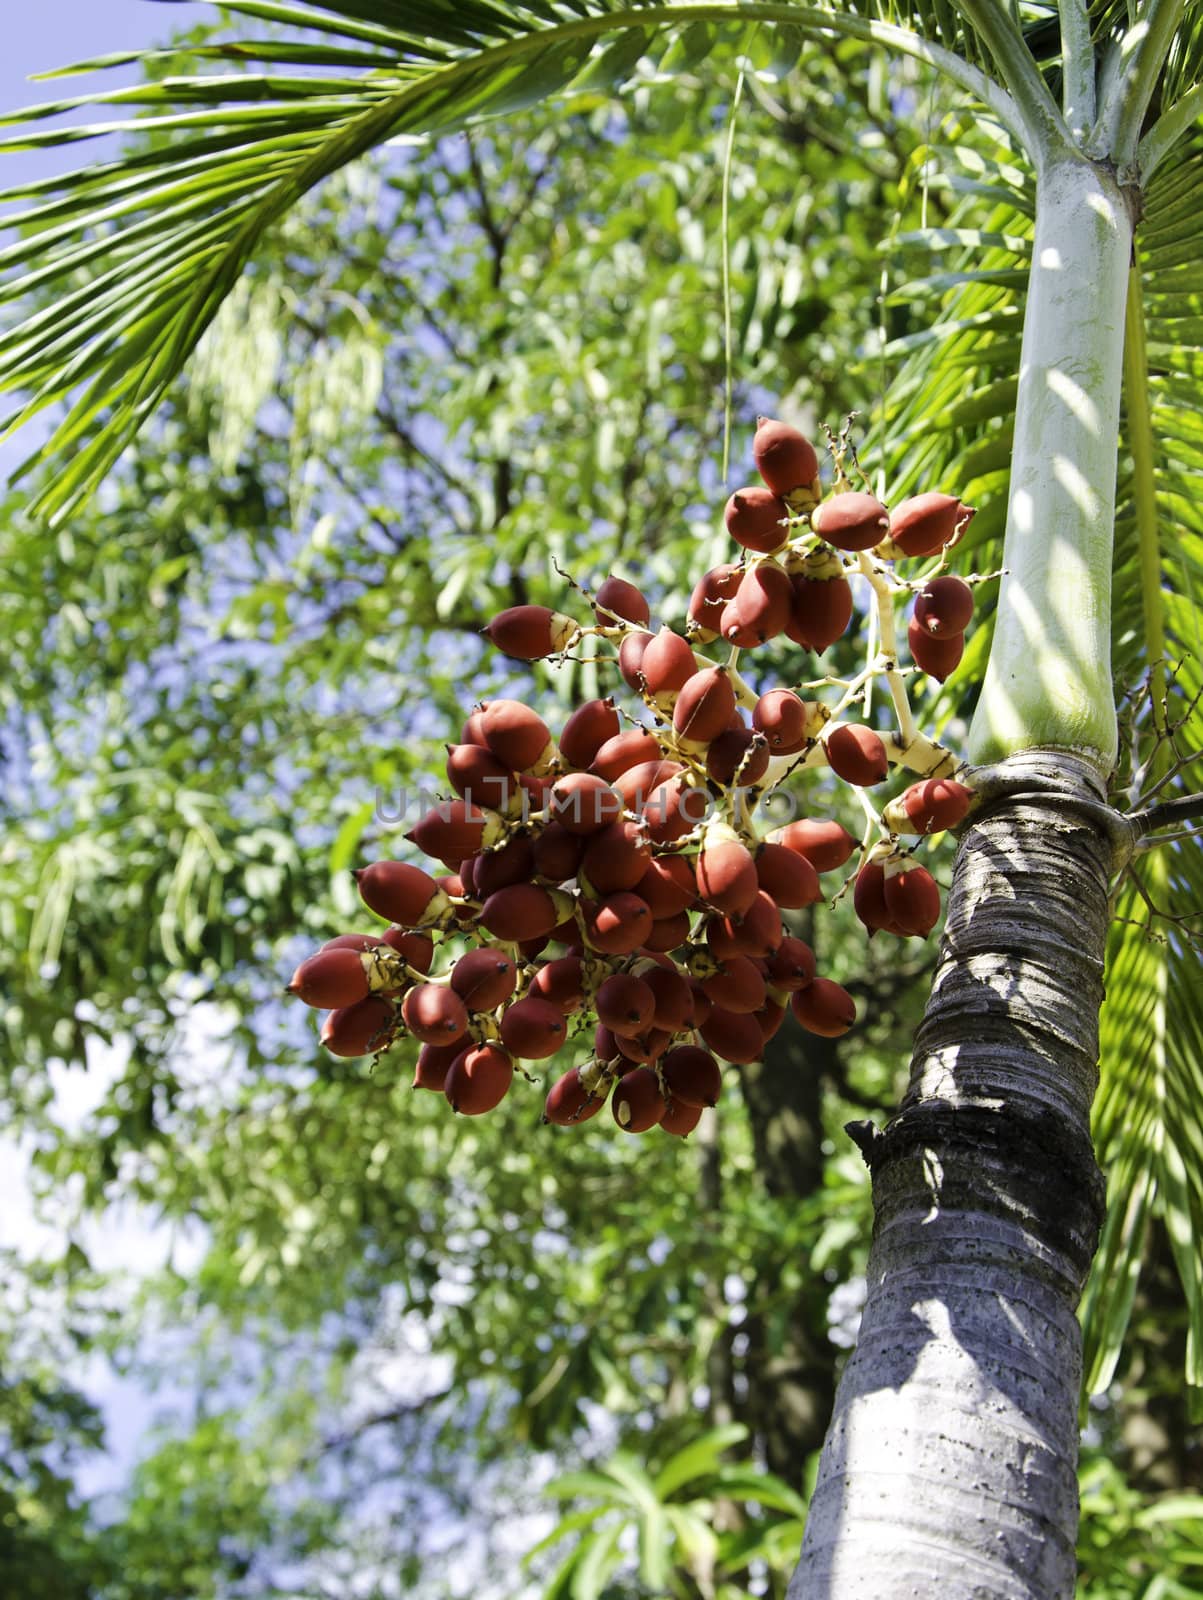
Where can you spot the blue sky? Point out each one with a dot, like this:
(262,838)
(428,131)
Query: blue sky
(40,34)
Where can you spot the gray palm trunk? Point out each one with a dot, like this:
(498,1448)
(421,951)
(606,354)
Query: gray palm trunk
(950,1464)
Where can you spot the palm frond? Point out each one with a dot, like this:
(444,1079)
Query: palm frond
(144,249)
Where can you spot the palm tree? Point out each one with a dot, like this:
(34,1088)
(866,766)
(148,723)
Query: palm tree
(950,1460)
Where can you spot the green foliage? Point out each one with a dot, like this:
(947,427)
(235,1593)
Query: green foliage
(444,367)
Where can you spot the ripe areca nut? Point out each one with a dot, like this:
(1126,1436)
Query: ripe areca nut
(518,736)
(826,844)
(434,1014)
(785,459)
(569,1101)
(755,518)
(711,593)
(586,730)
(478,1079)
(851,521)
(925,523)
(824,1007)
(939,658)
(529,633)
(637,1102)
(930,806)
(704,707)
(403,893)
(361,1029)
(618,598)
(856,754)
(944,606)
(533,1029)
(820,611)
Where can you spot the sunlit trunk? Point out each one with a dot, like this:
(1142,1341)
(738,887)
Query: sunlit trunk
(950,1465)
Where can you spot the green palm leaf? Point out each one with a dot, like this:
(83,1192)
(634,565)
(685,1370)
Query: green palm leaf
(144,250)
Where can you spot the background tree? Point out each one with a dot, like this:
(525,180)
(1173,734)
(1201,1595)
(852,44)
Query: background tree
(1145,1144)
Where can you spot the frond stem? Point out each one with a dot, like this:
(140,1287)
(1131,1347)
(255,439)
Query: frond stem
(1044,127)
(1131,77)
(1077,67)
(1144,490)
(1171,126)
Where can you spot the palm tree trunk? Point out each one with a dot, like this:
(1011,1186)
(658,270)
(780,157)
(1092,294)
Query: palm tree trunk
(950,1465)
(949,1468)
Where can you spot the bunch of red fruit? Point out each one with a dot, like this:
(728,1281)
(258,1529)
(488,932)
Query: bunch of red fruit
(618,873)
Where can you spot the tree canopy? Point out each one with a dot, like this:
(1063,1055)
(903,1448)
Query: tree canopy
(451,365)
